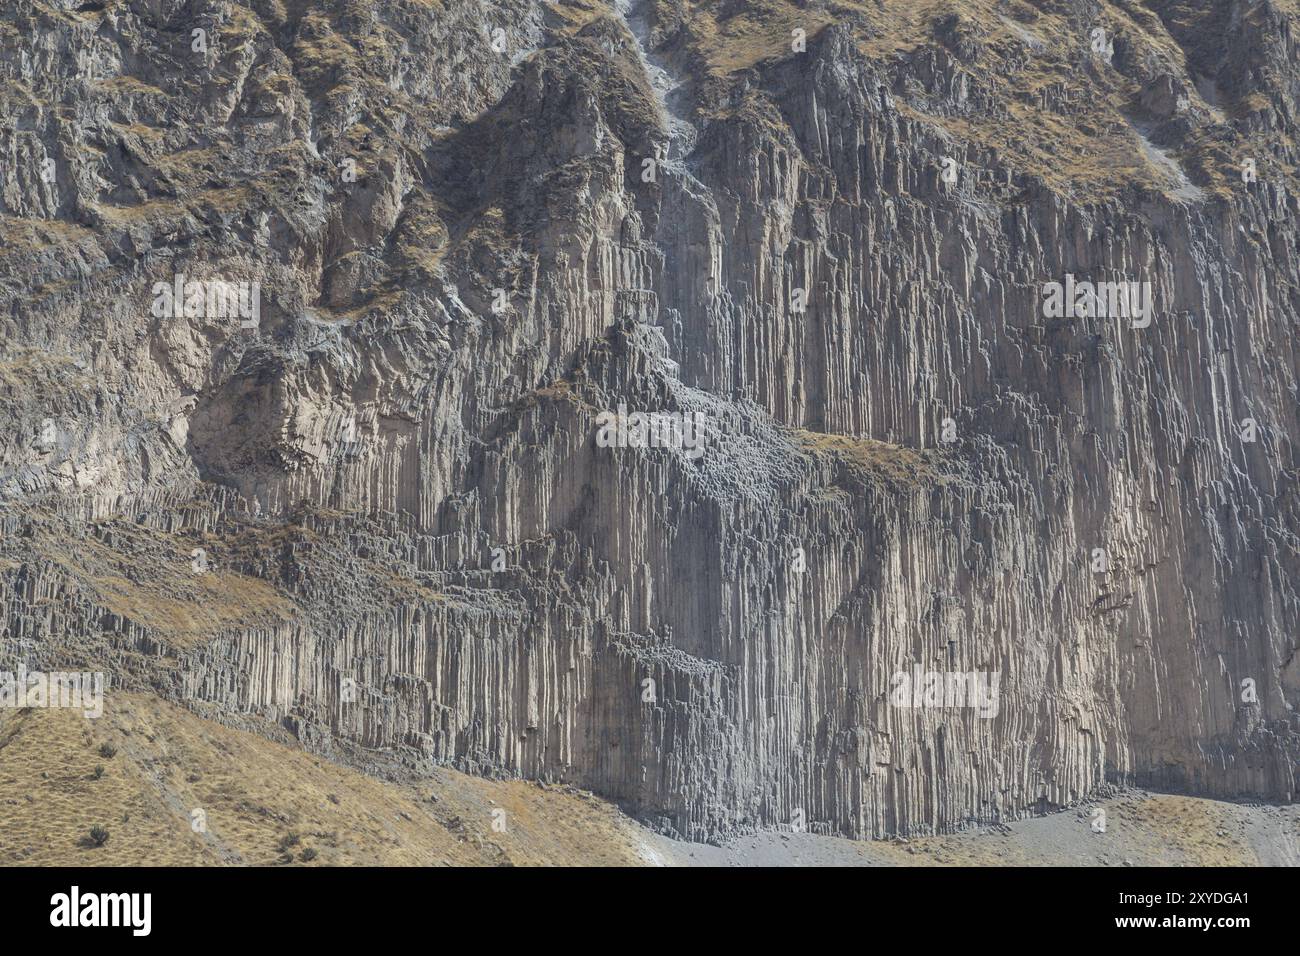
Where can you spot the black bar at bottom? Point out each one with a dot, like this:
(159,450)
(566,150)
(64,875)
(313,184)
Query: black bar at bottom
(331,906)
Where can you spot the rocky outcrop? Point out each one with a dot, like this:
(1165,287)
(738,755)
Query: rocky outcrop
(386,507)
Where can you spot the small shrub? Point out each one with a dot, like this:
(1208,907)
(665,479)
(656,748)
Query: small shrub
(98,836)
(107,751)
(99,770)
(288,840)
(307,855)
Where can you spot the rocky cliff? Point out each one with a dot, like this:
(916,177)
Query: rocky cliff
(315,315)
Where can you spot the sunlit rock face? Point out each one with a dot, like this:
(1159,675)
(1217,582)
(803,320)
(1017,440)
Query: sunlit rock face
(816,415)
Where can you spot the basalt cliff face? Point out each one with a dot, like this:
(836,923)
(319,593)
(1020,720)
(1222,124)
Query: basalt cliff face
(378,508)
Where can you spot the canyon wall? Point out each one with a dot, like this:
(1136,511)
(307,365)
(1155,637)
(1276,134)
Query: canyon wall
(378,512)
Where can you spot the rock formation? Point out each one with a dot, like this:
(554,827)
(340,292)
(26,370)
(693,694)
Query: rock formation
(312,313)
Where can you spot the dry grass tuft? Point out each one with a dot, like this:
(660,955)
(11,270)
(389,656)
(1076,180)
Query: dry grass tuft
(894,463)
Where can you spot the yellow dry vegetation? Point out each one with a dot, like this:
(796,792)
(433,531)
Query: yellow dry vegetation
(22,368)
(263,801)
(381,302)
(160,212)
(424,234)
(22,237)
(322,52)
(191,162)
(1152,830)
(147,577)
(125,83)
(1027,53)
(896,463)
(576,14)
(753,32)
(139,131)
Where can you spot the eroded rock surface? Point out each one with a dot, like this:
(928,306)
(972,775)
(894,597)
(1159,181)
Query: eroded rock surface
(377,512)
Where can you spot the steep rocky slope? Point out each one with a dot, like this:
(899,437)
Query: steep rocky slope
(173,788)
(374,510)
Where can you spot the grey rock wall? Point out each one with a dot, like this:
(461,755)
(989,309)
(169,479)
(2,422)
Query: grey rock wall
(413,545)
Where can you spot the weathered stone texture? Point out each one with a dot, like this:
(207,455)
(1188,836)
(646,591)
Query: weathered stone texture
(351,465)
